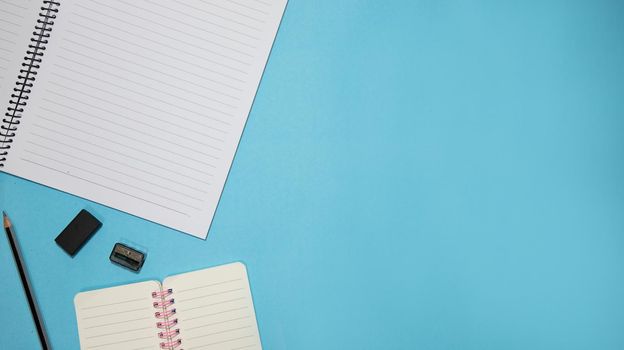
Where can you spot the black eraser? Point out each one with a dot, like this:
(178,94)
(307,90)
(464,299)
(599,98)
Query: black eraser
(79,230)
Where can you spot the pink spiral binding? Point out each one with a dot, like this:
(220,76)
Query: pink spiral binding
(171,344)
(165,314)
(162,294)
(163,303)
(167,324)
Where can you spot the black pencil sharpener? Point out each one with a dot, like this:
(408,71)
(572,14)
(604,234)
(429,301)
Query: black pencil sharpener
(127,257)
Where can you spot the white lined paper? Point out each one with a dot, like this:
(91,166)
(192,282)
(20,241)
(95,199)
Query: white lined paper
(139,105)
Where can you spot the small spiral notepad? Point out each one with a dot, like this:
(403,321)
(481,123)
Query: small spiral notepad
(135,104)
(206,309)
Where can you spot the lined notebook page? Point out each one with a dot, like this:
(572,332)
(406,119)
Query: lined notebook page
(17,22)
(215,309)
(140,104)
(118,317)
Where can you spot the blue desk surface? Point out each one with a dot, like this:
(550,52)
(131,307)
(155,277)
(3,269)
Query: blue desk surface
(413,175)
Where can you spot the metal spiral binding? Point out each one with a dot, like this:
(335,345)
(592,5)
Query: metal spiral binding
(168,322)
(26,76)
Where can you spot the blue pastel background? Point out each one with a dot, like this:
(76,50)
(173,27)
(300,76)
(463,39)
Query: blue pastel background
(414,175)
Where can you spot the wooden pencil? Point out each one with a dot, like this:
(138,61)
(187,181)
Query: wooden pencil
(19,262)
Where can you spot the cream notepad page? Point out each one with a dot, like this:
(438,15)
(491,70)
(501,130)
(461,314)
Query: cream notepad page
(140,104)
(213,310)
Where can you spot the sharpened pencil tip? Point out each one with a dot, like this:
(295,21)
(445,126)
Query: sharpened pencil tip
(5,220)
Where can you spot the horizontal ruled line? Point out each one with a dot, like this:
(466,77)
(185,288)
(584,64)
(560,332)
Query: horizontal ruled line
(209,295)
(110,304)
(233,11)
(215,313)
(213,304)
(206,286)
(8,41)
(225,341)
(118,322)
(119,342)
(115,313)
(220,332)
(8,31)
(13,4)
(243,347)
(122,332)
(215,323)
(248,7)
(262,2)
(12,13)
(9,22)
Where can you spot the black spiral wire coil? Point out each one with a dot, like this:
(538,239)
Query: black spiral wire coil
(26,76)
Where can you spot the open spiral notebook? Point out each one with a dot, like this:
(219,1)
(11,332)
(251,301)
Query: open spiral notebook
(205,309)
(136,104)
